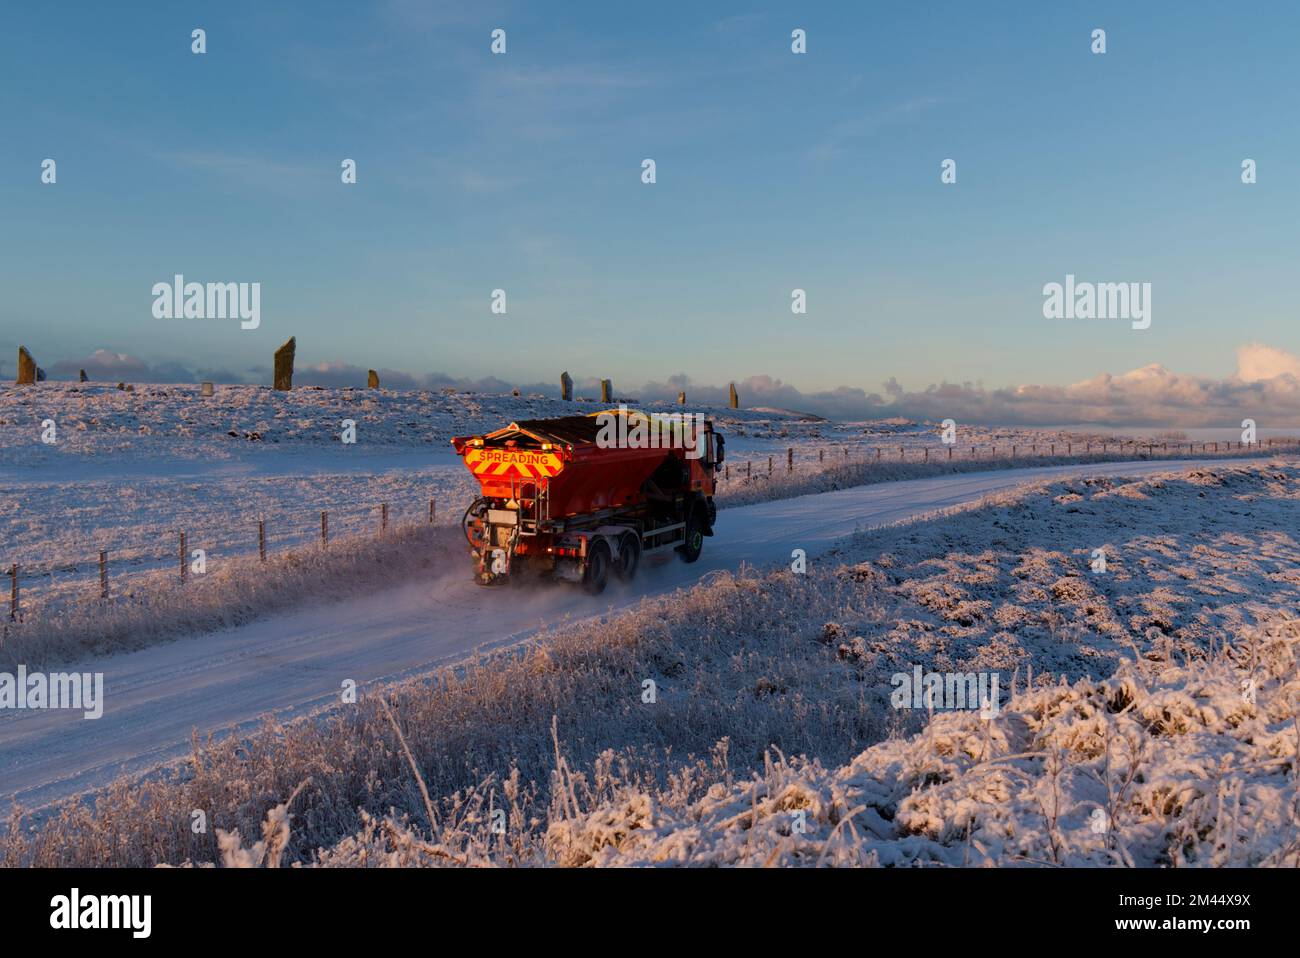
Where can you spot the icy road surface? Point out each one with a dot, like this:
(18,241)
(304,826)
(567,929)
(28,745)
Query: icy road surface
(295,663)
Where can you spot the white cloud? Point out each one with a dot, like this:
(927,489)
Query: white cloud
(1256,362)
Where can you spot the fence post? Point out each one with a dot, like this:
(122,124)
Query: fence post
(432,511)
(184,565)
(950,453)
(261,539)
(726,472)
(749,469)
(324,529)
(789,460)
(769,465)
(821,455)
(103,574)
(1051,449)
(383,518)
(13,592)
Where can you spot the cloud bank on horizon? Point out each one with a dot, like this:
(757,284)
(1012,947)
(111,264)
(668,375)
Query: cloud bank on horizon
(1265,386)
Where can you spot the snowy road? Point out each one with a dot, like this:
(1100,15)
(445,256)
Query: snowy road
(294,663)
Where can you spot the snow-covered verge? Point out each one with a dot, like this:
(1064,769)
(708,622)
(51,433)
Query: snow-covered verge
(754,665)
(1160,765)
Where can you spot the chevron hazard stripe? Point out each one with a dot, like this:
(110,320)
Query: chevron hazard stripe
(507,462)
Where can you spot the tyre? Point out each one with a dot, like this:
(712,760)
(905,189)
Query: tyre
(629,556)
(693,542)
(597,572)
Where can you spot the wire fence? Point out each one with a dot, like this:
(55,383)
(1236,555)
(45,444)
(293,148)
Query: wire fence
(808,460)
(101,571)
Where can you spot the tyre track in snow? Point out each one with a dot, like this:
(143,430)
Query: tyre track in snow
(229,681)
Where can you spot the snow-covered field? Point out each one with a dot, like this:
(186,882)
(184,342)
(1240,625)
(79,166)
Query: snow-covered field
(97,421)
(129,472)
(772,696)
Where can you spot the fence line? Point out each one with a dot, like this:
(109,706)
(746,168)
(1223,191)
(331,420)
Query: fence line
(137,564)
(1136,451)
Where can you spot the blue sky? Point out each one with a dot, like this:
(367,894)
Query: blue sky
(775,171)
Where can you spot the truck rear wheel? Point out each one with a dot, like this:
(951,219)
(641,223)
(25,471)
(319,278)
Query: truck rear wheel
(693,541)
(596,573)
(629,556)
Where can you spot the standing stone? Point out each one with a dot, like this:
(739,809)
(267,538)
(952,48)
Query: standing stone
(83,376)
(284,364)
(566,387)
(606,391)
(735,400)
(205,389)
(26,367)
(681,399)
(372,379)
(40,374)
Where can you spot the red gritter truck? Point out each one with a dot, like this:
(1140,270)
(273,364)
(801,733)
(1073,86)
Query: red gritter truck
(560,500)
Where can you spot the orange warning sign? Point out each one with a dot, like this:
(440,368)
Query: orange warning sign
(524,463)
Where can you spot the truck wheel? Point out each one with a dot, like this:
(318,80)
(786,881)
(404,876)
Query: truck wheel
(597,571)
(629,556)
(690,548)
